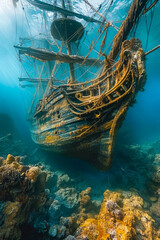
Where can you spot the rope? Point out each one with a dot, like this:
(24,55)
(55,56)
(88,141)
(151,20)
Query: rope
(55,68)
(89,4)
(105,37)
(49,82)
(149,27)
(152,50)
(150,7)
(97,105)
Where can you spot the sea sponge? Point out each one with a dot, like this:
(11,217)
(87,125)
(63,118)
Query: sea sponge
(68,197)
(32,173)
(10,159)
(84,197)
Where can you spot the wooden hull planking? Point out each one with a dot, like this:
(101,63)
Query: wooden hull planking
(78,121)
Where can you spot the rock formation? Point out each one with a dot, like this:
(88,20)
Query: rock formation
(22,189)
(121,217)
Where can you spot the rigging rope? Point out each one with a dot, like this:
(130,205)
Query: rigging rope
(90,5)
(150,24)
(91,48)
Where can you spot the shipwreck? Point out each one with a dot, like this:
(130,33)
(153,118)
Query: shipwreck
(81,118)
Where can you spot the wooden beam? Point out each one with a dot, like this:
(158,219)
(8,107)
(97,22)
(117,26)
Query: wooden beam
(36,80)
(46,55)
(52,8)
(152,50)
(134,12)
(150,7)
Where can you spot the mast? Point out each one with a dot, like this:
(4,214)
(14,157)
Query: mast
(71,65)
(131,19)
(69,51)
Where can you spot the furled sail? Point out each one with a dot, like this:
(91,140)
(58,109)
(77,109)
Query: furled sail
(52,8)
(45,55)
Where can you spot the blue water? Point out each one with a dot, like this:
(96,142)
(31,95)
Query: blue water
(141,125)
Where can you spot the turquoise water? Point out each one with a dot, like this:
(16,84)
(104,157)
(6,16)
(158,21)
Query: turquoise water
(138,139)
(142,120)
(140,127)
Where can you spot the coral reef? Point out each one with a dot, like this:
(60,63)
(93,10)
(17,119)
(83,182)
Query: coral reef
(64,181)
(156,169)
(78,207)
(67,196)
(27,203)
(46,205)
(121,217)
(22,188)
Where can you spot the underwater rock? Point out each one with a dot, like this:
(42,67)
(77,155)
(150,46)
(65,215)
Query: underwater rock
(12,182)
(57,231)
(86,208)
(41,182)
(67,196)
(66,221)
(54,210)
(53,230)
(121,217)
(70,237)
(51,181)
(61,232)
(155,208)
(69,210)
(155,171)
(12,220)
(1,161)
(63,181)
(153,183)
(157,159)
(20,195)
(156,174)
(114,209)
(153,199)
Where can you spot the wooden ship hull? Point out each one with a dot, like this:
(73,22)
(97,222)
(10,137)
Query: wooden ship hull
(82,119)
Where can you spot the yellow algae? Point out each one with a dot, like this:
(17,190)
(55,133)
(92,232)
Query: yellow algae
(16,165)
(121,217)
(10,159)
(49,138)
